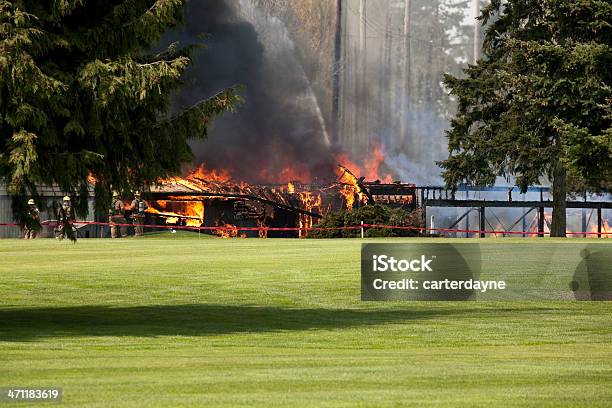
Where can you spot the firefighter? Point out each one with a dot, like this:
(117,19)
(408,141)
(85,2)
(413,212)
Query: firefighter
(139,207)
(65,218)
(116,215)
(32,225)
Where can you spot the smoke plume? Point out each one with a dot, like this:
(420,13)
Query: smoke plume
(278,135)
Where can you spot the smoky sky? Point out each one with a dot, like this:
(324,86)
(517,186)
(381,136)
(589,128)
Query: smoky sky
(277,126)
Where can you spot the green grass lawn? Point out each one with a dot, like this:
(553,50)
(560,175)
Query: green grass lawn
(180,321)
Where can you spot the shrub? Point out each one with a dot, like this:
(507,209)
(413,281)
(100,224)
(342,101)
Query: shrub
(370,214)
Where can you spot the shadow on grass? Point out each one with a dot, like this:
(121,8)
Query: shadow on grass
(194,320)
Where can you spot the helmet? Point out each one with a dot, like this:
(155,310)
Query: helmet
(115,194)
(66,198)
(31,202)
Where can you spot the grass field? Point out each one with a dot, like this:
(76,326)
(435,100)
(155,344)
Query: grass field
(178,321)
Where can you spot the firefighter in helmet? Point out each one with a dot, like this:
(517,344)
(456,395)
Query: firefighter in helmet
(116,215)
(139,207)
(32,225)
(65,218)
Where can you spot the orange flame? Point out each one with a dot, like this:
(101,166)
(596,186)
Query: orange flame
(591,229)
(349,173)
(203,173)
(310,202)
(605,227)
(351,191)
(230,231)
(173,211)
(371,168)
(91,179)
(263,232)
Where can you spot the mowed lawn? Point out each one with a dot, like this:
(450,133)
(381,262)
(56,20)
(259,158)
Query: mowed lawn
(186,321)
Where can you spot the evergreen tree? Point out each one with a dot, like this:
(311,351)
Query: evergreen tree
(538,104)
(81,95)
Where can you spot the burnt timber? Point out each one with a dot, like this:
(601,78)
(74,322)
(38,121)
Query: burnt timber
(194,196)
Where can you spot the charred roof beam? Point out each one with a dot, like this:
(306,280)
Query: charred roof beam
(183,195)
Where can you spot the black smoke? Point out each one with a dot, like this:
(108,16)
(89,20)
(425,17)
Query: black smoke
(277,126)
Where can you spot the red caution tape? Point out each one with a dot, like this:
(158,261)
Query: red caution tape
(346,228)
(480,231)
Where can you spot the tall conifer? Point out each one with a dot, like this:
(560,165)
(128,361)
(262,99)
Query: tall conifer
(538,103)
(82,95)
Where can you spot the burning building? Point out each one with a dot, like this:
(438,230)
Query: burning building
(212,199)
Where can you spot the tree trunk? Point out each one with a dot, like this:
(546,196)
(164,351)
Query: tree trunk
(558,225)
